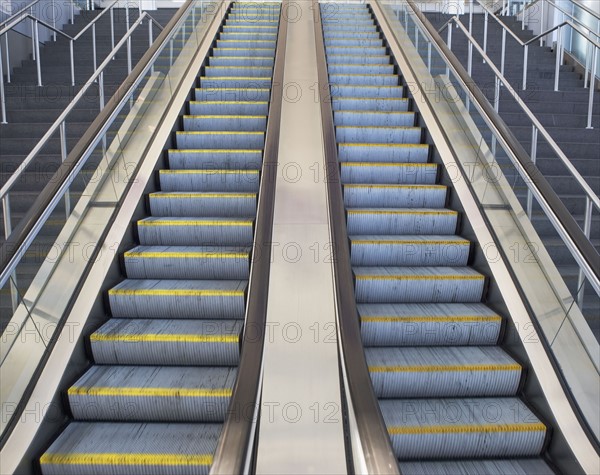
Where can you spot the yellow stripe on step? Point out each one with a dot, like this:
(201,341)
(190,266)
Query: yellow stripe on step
(448,212)
(435,319)
(177,293)
(187,255)
(165,338)
(194,223)
(227,103)
(222,116)
(219,132)
(416,242)
(215,150)
(466,429)
(416,187)
(148,392)
(387,164)
(208,172)
(440,368)
(125,459)
(241,78)
(420,277)
(391,145)
(202,195)
(239,89)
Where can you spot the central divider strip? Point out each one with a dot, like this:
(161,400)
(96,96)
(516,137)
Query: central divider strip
(236,445)
(301,421)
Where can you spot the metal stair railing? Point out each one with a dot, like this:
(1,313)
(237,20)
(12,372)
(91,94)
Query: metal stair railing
(60,126)
(592,201)
(594,44)
(26,14)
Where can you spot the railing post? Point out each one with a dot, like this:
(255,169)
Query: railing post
(63,155)
(558,58)
(53,6)
(71,52)
(534,139)
(72,11)
(127,15)
(485,32)
(2,98)
(542,24)
(449,41)
(502,60)
(112,28)
(8,78)
(14,293)
(497,94)
(101,90)
(429,56)
(587,226)
(592,88)
(525,61)
(129,67)
(37,53)
(33,49)
(94,46)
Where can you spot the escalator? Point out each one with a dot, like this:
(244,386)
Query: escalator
(164,364)
(449,393)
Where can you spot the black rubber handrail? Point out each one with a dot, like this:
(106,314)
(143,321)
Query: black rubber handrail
(536,179)
(376,446)
(235,445)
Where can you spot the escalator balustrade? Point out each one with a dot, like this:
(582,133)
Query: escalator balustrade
(448,392)
(164,364)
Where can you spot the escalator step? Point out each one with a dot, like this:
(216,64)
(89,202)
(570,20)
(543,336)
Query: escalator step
(381,105)
(212,205)
(401,221)
(178,299)
(167,342)
(229,107)
(224,122)
(240,181)
(126,448)
(442,371)
(388,173)
(152,393)
(356,90)
(395,196)
(406,250)
(213,159)
(433,324)
(374,118)
(187,262)
(249,52)
(244,71)
(366,79)
(208,231)
(383,152)
(358,58)
(418,284)
(253,82)
(378,134)
(220,139)
(241,60)
(477,467)
(472,427)
(232,94)
(343,41)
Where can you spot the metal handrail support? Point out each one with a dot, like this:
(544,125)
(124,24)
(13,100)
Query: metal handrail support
(526,170)
(60,124)
(525,44)
(35,23)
